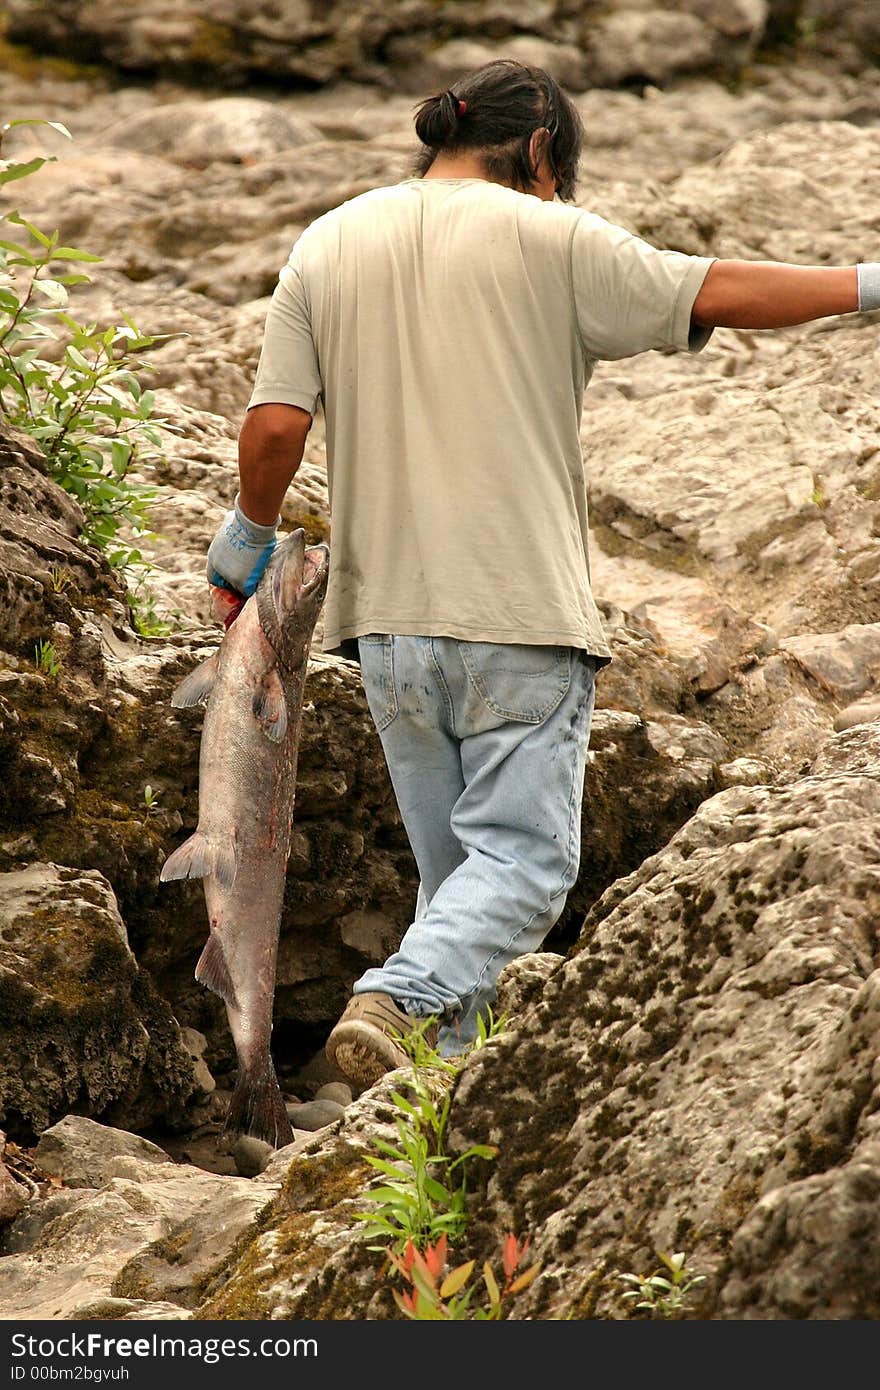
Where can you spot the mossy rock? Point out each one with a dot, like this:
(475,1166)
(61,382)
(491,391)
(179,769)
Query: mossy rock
(82,1028)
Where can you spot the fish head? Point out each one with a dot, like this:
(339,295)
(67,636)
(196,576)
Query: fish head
(290,594)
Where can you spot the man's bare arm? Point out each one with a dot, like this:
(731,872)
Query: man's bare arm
(767,294)
(270,450)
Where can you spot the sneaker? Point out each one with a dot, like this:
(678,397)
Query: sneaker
(362,1044)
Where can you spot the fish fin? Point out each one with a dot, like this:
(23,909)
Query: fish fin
(257,1107)
(270,707)
(213,972)
(201,857)
(195,688)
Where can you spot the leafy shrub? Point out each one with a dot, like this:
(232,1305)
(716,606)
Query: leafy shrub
(422,1191)
(666,1292)
(85,405)
(419,1201)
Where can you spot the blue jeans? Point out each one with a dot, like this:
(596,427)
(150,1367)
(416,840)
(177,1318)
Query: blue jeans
(486,747)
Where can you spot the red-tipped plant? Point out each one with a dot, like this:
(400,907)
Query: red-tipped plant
(436,1295)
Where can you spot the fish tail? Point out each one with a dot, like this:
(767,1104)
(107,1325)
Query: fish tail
(257,1107)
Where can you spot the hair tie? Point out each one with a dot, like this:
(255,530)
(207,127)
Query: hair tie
(462,107)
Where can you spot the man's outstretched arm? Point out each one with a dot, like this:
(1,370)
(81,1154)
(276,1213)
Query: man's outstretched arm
(767,294)
(270,450)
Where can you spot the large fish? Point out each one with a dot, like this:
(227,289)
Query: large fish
(253,688)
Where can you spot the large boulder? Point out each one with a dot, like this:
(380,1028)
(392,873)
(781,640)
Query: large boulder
(81,1025)
(702,1066)
(82,1153)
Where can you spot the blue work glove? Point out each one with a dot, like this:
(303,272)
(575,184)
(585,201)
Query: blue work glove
(240,552)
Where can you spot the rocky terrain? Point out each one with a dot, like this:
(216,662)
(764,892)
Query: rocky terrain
(690,1064)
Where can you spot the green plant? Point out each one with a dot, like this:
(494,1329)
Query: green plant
(46,658)
(436,1295)
(819,497)
(421,1192)
(87,409)
(60,579)
(142,604)
(665,1293)
(151,800)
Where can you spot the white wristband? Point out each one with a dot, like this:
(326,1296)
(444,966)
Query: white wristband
(868,273)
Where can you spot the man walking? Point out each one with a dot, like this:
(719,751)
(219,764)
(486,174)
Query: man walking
(450,323)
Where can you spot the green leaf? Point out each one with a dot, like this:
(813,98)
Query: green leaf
(15,249)
(77,358)
(394,1196)
(53,291)
(120,455)
(10,172)
(400,1101)
(35,120)
(481,1151)
(436,1191)
(29,227)
(73,253)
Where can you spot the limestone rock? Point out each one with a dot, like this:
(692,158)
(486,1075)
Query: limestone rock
(702,1066)
(846,663)
(80,1024)
(234,40)
(646,45)
(25,1231)
(147,1237)
(236,130)
(195,1044)
(437,67)
(85,1154)
(14,1196)
(310,1259)
(522,980)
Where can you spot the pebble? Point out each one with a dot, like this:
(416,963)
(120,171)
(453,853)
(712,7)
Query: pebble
(861,712)
(315,1114)
(336,1091)
(251,1155)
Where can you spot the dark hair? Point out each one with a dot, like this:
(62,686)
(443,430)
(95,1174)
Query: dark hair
(495,110)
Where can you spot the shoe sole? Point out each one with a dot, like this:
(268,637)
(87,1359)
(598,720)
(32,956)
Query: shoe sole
(363,1053)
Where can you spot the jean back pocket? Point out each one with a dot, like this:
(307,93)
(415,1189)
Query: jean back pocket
(519,682)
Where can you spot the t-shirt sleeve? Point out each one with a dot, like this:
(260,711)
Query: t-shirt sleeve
(288,371)
(629,295)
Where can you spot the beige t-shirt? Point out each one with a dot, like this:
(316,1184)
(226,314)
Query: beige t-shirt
(450,327)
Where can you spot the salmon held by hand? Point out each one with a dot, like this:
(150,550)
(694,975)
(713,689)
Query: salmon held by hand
(253,688)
